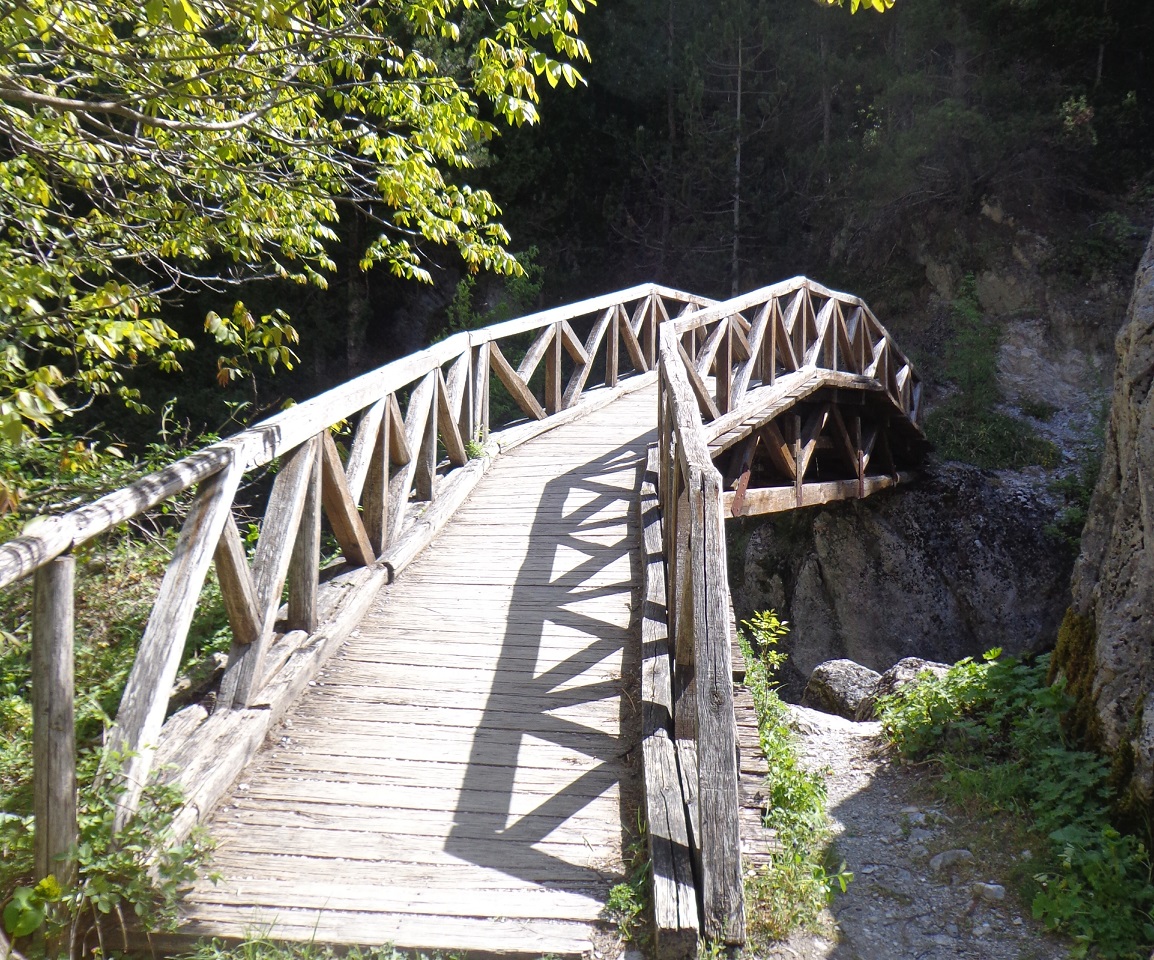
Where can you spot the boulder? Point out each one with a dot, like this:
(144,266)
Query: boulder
(943,569)
(839,687)
(906,670)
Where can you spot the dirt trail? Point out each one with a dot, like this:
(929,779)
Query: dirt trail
(911,897)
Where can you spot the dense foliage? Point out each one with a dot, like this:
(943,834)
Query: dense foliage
(152,149)
(995,730)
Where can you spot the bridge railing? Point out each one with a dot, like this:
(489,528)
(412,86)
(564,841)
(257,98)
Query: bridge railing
(712,363)
(422,440)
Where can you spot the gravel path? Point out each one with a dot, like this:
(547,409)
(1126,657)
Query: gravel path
(926,886)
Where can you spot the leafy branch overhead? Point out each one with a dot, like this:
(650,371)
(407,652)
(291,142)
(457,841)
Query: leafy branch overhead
(151,149)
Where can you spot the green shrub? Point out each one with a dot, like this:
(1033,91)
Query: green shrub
(994,729)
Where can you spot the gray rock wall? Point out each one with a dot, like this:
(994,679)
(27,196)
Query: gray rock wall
(1113,583)
(943,569)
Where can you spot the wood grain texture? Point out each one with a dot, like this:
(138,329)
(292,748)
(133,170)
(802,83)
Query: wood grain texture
(472,724)
(53,719)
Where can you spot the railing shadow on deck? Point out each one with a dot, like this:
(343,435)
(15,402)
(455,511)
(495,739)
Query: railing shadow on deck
(575,505)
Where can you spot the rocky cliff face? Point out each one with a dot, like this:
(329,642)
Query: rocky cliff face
(944,569)
(1107,643)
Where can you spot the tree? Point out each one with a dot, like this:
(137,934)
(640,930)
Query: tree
(150,148)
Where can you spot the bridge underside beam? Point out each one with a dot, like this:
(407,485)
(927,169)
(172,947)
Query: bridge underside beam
(820,446)
(779,499)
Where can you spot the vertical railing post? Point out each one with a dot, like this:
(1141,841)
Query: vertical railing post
(54,719)
(480,429)
(304,568)
(717,785)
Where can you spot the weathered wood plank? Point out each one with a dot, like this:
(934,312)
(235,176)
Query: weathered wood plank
(236,586)
(145,698)
(722,891)
(305,565)
(517,388)
(447,424)
(776,499)
(676,919)
(412,432)
(340,508)
(286,503)
(364,443)
(54,720)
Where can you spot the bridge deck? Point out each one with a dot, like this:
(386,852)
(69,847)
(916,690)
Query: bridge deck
(462,773)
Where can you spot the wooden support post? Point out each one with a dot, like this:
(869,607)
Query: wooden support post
(553,372)
(427,457)
(723,368)
(799,471)
(236,587)
(611,349)
(480,426)
(339,505)
(860,451)
(375,501)
(722,887)
(305,566)
(53,719)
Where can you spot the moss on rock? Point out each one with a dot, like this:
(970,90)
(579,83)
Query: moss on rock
(1074,659)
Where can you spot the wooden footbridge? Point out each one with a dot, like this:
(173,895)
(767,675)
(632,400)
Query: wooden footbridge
(447,737)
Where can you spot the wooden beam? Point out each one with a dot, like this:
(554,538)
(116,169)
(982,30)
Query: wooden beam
(54,720)
(236,586)
(145,699)
(480,427)
(633,348)
(705,402)
(425,479)
(364,442)
(814,425)
(245,671)
(764,500)
(745,465)
(722,883)
(400,450)
(581,374)
(573,345)
(413,430)
(341,509)
(517,388)
(375,500)
(305,566)
(779,451)
(676,918)
(536,351)
(611,347)
(447,424)
(553,386)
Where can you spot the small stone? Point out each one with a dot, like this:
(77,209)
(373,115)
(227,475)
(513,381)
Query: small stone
(918,835)
(950,858)
(1017,921)
(990,892)
(917,851)
(909,811)
(1027,855)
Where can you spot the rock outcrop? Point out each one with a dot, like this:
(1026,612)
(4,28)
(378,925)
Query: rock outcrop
(906,670)
(1106,647)
(943,569)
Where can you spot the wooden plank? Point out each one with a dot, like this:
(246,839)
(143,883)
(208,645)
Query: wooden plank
(611,348)
(54,720)
(145,699)
(447,425)
(778,499)
(705,403)
(412,431)
(517,388)
(573,345)
(375,495)
(756,336)
(723,906)
(581,374)
(553,385)
(534,354)
(236,586)
(400,450)
(633,346)
(676,919)
(282,516)
(364,443)
(480,429)
(340,508)
(305,565)
(425,478)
